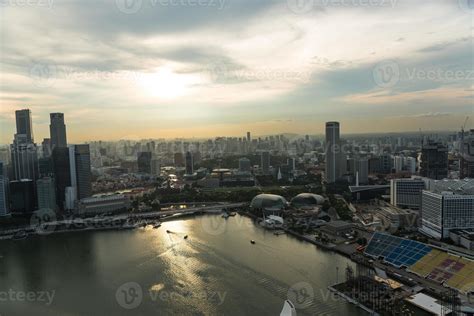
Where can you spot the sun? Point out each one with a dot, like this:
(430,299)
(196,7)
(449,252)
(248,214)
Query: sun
(166,84)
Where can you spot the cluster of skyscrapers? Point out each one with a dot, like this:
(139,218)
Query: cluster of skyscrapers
(54,177)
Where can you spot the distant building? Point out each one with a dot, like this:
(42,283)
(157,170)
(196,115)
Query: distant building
(467,155)
(46,191)
(434,161)
(144,162)
(22,194)
(249,138)
(362,171)
(334,170)
(57,130)
(189,163)
(448,205)
(46,147)
(244,165)
(178,160)
(265,162)
(406,193)
(155,167)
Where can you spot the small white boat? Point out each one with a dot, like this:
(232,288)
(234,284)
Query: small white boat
(288,309)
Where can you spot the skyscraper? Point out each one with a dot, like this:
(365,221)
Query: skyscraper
(23,151)
(189,163)
(333,152)
(22,194)
(46,192)
(434,160)
(62,174)
(57,130)
(248,137)
(83,175)
(24,125)
(265,162)
(46,147)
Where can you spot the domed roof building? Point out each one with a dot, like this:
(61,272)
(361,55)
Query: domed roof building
(268,202)
(307,200)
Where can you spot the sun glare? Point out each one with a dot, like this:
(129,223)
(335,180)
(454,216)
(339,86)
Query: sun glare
(166,84)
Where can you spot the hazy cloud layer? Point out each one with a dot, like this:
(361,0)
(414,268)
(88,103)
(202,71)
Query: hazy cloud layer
(166,68)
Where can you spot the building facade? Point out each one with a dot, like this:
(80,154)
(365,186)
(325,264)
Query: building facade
(406,193)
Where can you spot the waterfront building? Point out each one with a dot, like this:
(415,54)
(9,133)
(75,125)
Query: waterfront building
(448,205)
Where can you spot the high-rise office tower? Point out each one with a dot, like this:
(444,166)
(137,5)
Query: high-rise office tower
(248,137)
(57,130)
(362,171)
(22,193)
(46,192)
(24,156)
(46,147)
(265,162)
(82,164)
(62,173)
(144,162)
(4,203)
(155,167)
(333,152)
(434,160)
(189,163)
(24,125)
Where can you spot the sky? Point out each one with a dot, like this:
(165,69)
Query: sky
(136,69)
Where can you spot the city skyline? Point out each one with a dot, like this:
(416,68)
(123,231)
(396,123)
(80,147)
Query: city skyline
(163,79)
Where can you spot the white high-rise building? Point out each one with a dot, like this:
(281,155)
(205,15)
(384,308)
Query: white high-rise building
(449,205)
(406,193)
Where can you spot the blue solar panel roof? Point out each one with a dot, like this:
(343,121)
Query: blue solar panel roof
(395,250)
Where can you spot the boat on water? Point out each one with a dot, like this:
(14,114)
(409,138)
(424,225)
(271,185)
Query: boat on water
(157,225)
(20,235)
(288,309)
(168,231)
(186,237)
(252,242)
